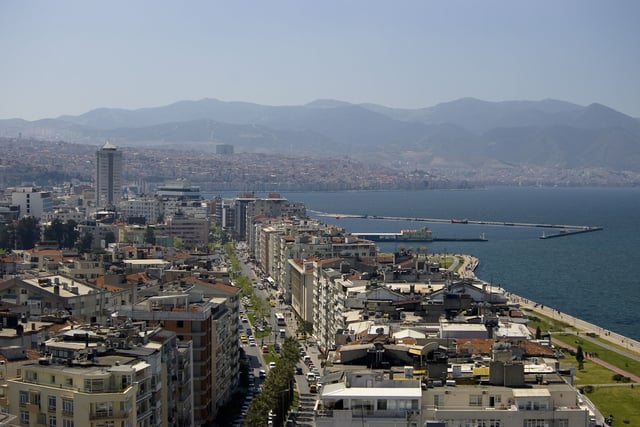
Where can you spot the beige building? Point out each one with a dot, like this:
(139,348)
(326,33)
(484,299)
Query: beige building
(551,405)
(116,393)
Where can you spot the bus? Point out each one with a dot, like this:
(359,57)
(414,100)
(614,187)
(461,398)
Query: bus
(280,319)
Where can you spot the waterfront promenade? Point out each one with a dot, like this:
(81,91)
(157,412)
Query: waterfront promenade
(469,264)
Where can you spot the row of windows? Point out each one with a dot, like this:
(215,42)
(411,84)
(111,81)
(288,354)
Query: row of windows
(34,398)
(53,421)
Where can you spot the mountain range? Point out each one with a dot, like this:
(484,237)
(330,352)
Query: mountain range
(465,133)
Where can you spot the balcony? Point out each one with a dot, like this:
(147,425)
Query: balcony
(109,415)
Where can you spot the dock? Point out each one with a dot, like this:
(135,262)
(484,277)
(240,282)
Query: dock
(565,229)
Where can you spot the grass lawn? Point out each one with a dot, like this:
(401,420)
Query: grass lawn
(621,402)
(592,373)
(609,356)
(546,323)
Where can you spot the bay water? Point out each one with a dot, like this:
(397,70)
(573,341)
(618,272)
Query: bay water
(593,276)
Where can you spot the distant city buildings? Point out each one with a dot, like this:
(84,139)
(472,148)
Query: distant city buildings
(225,149)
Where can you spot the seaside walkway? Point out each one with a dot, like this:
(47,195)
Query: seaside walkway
(582,327)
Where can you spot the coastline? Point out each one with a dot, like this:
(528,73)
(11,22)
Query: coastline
(633,346)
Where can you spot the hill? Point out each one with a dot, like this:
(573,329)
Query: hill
(465,133)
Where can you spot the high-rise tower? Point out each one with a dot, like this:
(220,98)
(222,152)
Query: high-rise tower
(108,176)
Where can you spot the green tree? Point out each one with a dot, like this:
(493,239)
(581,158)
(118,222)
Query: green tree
(71,234)
(580,357)
(65,235)
(7,235)
(55,232)
(305,327)
(27,232)
(538,333)
(109,237)
(149,235)
(84,243)
(178,243)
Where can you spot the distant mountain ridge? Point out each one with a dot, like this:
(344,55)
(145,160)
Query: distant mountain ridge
(465,133)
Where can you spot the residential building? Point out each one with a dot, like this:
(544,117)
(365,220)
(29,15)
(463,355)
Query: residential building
(32,201)
(361,399)
(206,323)
(54,293)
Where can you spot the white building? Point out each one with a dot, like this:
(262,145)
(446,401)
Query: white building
(32,201)
(368,399)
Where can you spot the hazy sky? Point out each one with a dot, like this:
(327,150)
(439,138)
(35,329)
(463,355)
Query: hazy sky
(68,57)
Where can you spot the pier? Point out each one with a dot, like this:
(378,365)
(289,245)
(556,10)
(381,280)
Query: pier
(565,229)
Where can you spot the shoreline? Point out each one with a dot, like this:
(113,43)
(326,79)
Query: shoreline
(467,271)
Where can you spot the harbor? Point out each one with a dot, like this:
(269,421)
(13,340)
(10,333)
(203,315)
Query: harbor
(565,230)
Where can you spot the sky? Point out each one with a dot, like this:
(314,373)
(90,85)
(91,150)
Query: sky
(69,57)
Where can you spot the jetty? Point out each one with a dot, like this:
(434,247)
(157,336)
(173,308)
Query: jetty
(565,229)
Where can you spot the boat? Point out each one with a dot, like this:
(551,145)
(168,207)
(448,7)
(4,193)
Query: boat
(419,235)
(460,221)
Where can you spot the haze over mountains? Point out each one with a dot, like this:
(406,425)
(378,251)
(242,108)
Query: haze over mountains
(466,133)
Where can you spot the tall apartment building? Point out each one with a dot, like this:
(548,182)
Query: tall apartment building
(124,375)
(108,176)
(32,201)
(206,323)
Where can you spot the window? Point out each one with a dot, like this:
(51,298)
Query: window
(67,423)
(536,423)
(53,379)
(562,423)
(67,406)
(180,324)
(52,403)
(24,397)
(24,417)
(52,421)
(475,400)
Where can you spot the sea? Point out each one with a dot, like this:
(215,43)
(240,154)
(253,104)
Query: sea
(594,276)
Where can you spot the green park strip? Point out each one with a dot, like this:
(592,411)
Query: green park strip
(545,323)
(591,372)
(621,401)
(609,356)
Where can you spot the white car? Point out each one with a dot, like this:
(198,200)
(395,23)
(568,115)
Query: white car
(272,365)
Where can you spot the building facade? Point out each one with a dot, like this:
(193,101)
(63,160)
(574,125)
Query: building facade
(108,176)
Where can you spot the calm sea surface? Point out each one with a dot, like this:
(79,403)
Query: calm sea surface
(593,276)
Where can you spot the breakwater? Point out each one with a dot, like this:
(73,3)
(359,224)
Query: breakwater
(565,229)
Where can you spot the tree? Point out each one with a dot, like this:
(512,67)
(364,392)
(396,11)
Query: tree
(7,235)
(178,243)
(538,333)
(305,327)
(149,236)
(84,243)
(55,232)
(109,237)
(27,232)
(71,234)
(580,357)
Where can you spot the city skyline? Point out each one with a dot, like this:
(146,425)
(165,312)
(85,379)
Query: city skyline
(71,57)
